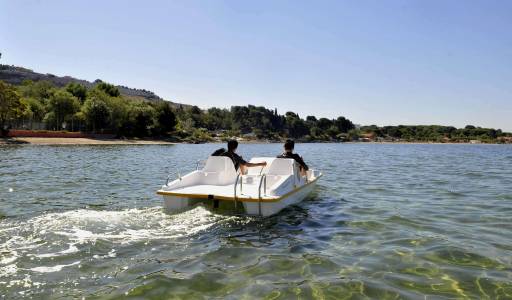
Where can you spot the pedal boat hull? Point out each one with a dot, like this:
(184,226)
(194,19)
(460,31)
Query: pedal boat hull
(218,185)
(265,206)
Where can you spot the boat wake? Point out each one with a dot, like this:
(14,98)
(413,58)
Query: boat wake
(70,235)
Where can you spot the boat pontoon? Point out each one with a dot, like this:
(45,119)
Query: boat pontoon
(262,191)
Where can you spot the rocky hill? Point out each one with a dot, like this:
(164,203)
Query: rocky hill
(16,75)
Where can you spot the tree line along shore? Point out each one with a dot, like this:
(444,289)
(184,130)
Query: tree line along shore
(102,109)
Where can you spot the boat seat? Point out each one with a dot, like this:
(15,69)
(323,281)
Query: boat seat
(219,170)
(219,164)
(259,170)
(281,166)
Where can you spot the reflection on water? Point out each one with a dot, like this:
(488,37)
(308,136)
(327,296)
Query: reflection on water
(385,222)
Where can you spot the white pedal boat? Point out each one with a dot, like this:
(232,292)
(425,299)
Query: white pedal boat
(262,191)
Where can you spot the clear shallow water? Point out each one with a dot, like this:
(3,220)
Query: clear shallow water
(386,221)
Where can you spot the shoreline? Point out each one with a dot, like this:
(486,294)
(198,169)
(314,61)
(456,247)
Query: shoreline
(79,141)
(92,141)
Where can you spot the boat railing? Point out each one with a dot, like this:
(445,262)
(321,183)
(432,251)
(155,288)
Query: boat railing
(263,180)
(263,183)
(173,175)
(238,177)
(199,162)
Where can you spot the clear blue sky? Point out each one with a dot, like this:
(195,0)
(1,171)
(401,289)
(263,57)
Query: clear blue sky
(375,62)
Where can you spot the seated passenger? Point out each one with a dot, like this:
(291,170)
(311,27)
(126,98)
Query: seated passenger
(238,161)
(289,145)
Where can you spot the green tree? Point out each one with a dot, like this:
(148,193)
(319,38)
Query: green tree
(118,108)
(332,131)
(140,120)
(108,88)
(197,115)
(295,125)
(166,118)
(201,134)
(40,90)
(34,110)
(353,134)
(102,111)
(240,117)
(10,104)
(217,119)
(324,123)
(315,132)
(311,119)
(61,106)
(143,117)
(96,113)
(187,125)
(343,124)
(78,90)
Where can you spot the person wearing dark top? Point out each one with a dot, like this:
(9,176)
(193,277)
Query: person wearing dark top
(238,161)
(289,145)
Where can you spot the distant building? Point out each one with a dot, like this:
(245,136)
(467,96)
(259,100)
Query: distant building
(505,139)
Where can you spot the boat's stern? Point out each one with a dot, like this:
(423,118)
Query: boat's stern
(218,186)
(176,203)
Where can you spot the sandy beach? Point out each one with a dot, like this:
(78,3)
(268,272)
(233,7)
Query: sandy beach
(80,141)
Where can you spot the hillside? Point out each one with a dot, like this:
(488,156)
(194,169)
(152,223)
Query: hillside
(16,75)
(97,107)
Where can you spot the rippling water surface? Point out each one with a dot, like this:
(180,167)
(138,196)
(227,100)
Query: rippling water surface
(386,222)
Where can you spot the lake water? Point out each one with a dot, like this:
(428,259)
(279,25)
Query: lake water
(385,221)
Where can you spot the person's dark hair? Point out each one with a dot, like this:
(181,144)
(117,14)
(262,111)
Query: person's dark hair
(289,145)
(219,152)
(232,145)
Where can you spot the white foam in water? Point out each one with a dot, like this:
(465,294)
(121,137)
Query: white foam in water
(72,249)
(63,232)
(53,269)
(132,225)
(8,270)
(7,258)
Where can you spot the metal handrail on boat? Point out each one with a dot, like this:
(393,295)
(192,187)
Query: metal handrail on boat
(263,180)
(238,176)
(172,176)
(199,161)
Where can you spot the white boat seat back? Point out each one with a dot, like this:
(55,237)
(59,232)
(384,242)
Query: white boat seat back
(219,164)
(257,170)
(219,170)
(281,166)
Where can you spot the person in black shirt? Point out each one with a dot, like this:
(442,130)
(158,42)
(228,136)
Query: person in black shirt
(238,161)
(289,145)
